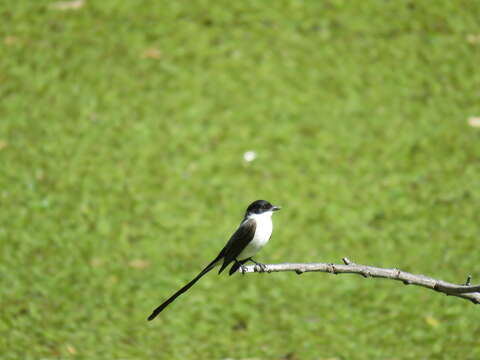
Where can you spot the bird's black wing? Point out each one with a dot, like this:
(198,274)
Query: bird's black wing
(238,242)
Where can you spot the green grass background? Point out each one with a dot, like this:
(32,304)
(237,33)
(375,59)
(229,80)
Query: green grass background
(123,126)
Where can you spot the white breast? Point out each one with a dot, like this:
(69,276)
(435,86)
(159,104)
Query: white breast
(263,231)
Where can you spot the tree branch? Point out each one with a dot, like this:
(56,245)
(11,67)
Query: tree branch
(467,291)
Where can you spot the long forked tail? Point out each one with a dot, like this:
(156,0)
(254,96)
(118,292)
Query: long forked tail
(159,309)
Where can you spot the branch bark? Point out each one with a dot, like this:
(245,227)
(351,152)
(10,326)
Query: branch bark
(466,291)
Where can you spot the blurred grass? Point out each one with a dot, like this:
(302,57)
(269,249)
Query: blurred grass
(122,130)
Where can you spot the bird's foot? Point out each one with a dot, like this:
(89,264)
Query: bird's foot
(259,267)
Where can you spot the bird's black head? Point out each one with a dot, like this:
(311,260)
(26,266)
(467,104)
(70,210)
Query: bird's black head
(261,206)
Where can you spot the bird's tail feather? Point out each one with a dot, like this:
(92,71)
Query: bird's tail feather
(160,308)
(237,266)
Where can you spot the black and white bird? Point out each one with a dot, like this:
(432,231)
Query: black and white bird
(252,235)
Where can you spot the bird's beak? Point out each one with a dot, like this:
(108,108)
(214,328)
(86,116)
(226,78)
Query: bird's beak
(276,208)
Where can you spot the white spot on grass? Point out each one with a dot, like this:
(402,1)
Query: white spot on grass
(474,121)
(249,156)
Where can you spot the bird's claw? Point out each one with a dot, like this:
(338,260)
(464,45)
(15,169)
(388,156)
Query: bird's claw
(260,267)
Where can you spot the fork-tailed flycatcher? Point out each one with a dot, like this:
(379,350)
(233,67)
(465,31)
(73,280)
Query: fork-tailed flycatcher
(252,234)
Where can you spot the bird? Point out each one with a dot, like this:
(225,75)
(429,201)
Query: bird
(250,237)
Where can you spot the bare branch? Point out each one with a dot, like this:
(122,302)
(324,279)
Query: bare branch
(467,291)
